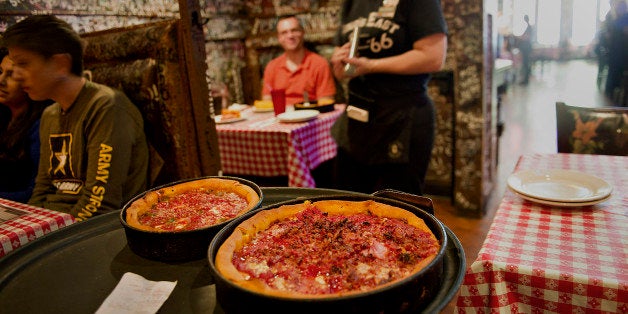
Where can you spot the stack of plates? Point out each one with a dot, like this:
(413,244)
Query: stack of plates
(559,187)
(298,115)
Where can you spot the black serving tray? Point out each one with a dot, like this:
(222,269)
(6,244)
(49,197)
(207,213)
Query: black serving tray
(74,269)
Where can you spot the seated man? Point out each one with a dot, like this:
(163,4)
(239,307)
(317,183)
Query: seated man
(297,70)
(94,154)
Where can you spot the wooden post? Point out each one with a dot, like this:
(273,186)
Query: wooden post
(193,42)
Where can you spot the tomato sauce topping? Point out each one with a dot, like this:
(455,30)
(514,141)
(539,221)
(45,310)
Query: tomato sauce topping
(319,253)
(193,210)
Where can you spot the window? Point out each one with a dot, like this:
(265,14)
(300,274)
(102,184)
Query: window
(546,16)
(548,26)
(583,22)
(519,10)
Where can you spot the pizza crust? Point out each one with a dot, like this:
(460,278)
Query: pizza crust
(245,232)
(150,198)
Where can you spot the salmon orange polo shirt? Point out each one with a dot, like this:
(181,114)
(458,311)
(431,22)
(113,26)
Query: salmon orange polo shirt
(313,75)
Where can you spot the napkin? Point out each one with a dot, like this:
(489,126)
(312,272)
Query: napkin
(238,107)
(135,294)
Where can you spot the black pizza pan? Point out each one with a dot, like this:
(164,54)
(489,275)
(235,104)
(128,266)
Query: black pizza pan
(177,246)
(408,295)
(313,105)
(74,269)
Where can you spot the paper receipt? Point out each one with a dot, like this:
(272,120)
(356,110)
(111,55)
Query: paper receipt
(135,294)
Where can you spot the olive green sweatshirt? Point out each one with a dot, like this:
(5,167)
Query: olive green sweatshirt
(94,156)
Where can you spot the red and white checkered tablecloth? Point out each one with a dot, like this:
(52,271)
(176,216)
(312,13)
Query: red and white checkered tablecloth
(27,227)
(261,146)
(544,259)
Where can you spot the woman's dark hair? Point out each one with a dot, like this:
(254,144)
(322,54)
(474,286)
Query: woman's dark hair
(3,51)
(46,35)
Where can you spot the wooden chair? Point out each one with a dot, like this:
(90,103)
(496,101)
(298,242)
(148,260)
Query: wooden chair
(583,130)
(148,63)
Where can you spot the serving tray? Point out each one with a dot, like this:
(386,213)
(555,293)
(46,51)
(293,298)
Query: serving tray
(74,269)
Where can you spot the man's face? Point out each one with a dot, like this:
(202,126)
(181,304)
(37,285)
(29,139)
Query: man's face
(37,75)
(290,34)
(11,93)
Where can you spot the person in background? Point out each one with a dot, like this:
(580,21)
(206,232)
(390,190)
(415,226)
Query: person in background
(298,69)
(386,134)
(617,21)
(19,135)
(601,51)
(524,43)
(94,154)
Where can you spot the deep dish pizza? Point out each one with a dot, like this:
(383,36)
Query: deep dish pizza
(326,248)
(191,205)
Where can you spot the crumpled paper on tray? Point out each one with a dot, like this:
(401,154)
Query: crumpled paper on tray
(135,294)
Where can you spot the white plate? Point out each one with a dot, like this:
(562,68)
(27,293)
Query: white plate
(298,115)
(257,109)
(559,185)
(239,107)
(561,204)
(219,120)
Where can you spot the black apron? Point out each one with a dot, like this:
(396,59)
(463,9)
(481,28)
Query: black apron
(387,136)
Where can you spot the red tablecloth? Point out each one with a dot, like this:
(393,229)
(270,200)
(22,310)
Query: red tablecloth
(28,224)
(260,146)
(543,259)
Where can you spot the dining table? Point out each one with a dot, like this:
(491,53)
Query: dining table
(21,223)
(543,257)
(75,269)
(261,144)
